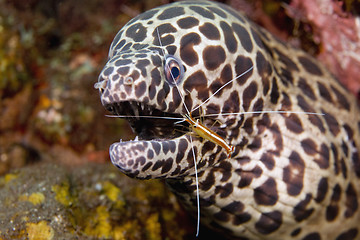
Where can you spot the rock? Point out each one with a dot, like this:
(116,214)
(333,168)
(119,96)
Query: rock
(94,201)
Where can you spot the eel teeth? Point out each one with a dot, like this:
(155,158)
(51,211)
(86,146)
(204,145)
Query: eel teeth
(136,110)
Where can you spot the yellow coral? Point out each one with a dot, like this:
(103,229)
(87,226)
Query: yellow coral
(39,231)
(155,189)
(113,193)
(125,230)
(9,177)
(44,101)
(118,233)
(62,194)
(153,227)
(99,225)
(34,198)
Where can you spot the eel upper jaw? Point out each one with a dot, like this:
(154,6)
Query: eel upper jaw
(147,122)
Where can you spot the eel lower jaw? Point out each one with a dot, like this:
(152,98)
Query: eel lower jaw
(152,159)
(159,136)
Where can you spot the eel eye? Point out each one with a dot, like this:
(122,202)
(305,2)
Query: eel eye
(174,70)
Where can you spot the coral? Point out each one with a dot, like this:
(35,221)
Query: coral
(338,34)
(39,231)
(98,225)
(34,198)
(153,227)
(62,194)
(10,176)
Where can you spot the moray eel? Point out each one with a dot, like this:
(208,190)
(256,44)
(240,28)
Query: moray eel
(291,175)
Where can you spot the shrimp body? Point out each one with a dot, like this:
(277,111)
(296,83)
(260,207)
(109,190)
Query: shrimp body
(208,134)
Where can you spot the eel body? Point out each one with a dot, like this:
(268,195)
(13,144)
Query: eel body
(295,167)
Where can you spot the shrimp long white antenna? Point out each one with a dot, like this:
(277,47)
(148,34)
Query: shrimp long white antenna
(240,75)
(146,116)
(161,46)
(197,191)
(218,114)
(172,76)
(265,111)
(193,151)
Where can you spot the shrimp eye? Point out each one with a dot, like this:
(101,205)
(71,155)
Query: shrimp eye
(174,70)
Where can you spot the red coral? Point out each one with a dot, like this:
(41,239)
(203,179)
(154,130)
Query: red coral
(339,35)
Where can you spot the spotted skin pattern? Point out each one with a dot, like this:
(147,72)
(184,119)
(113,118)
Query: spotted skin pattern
(291,176)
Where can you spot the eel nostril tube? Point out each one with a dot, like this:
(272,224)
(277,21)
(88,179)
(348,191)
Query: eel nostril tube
(101,85)
(128,81)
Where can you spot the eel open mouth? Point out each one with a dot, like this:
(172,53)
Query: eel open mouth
(149,123)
